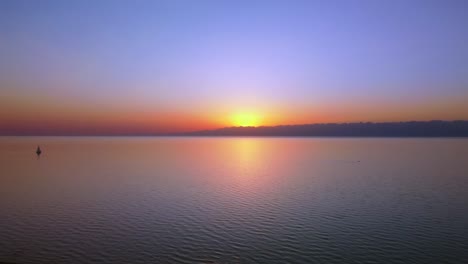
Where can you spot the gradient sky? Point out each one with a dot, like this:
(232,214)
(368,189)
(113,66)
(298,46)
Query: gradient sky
(158,66)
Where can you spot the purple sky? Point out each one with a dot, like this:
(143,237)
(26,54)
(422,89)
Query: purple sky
(178,65)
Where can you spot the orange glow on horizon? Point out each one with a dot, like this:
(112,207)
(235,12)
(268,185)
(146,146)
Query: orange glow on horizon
(46,115)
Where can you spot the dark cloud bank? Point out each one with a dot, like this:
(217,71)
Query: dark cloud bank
(388,129)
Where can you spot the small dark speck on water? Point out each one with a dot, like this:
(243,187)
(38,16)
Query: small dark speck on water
(38,151)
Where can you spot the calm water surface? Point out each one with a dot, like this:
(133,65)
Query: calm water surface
(233,200)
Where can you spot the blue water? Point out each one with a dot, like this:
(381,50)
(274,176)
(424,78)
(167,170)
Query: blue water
(233,200)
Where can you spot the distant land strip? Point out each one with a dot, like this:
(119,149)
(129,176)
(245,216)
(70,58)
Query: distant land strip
(434,128)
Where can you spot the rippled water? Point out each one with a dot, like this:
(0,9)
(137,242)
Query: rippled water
(233,200)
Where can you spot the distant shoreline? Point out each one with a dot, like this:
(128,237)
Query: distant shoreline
(368,129)
(411,129)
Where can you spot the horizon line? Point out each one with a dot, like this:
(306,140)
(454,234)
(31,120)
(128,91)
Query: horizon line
(274,130)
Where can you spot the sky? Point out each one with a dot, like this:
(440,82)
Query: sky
(167,66)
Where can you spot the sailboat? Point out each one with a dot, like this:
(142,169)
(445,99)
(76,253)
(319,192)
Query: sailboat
(38,151)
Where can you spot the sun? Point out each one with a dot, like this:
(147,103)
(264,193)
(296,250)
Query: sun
(245,120)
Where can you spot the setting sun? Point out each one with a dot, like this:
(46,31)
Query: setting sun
(246,119)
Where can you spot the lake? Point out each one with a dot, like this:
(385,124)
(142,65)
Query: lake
(233,200)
